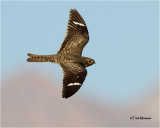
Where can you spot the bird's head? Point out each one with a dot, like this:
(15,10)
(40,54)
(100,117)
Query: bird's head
(88,62)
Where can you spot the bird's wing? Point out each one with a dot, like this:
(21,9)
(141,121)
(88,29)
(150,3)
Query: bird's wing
(77,34)
(74,75)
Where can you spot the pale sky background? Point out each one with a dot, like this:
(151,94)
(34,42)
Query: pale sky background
(123,42)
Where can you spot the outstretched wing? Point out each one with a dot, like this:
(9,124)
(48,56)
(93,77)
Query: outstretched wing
(77,34)
(74,75)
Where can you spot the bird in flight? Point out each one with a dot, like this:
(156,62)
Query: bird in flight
(69,57)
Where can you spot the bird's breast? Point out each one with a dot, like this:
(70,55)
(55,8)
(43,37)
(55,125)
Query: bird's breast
(66,58)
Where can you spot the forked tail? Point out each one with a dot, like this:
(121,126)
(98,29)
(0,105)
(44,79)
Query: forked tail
(40,58)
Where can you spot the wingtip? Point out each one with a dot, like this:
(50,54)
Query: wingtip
(73,10)
(65,96)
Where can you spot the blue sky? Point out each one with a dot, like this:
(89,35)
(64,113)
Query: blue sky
(123,42)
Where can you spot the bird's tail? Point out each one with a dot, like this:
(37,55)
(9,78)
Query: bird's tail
(40,58)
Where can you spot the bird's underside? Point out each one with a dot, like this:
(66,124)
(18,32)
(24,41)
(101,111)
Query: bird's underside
(69,56)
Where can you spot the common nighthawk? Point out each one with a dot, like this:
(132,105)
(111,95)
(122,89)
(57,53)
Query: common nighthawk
(69,57)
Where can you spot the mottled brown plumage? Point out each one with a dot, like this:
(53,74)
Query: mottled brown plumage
(70,55)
